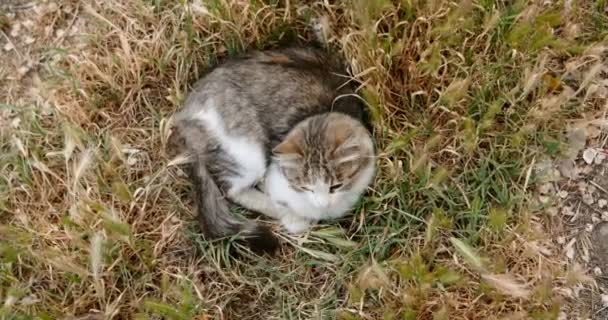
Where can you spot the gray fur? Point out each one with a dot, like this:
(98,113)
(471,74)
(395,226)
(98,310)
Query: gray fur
(262,96)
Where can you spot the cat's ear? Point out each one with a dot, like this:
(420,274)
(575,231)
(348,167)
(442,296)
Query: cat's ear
(291,147)
(342,133)
(346,142)
(343,136)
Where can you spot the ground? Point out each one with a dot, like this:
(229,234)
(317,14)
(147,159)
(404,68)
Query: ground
(490,201)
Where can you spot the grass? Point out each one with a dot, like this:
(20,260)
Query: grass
(466,98)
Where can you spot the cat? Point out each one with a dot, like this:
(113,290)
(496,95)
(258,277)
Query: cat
(280,132)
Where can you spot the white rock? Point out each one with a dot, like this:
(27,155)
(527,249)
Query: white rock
(132,160)
(597,271)
(588,198)
(570,249)
(15,122)
(8,46)
(29,24)
(602,203)
(15,28)
(599,158)
(604,300)
(567,211)
(582,186)
(595,218)
(589,155)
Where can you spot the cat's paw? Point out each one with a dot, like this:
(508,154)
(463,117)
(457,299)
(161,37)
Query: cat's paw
(295,225)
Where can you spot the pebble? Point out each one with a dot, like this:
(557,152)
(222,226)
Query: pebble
(8,46)
(602,203)
(588,198)
(589,155)
(597,271)
(582,186)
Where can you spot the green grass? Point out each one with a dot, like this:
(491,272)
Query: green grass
(457,96)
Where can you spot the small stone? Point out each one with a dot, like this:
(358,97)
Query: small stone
(563,194)
(605,216)
(544,199)
(589,227)
(28,24)
(132,160)
(596,219)
(15,29)
(561,240)
(602,203)
(588,198)
(582,186)
(599,158)
(597,271)
(29,40)
(15,122)
(52,7)
(23,70)
(605,300)
(589,155)
(570,251)
(567,211)
(9,46)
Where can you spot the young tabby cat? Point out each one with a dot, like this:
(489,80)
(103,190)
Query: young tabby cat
(285,117)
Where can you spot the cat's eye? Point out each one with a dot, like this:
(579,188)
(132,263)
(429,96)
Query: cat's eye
(335,187)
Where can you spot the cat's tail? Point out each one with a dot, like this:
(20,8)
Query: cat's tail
(217,221)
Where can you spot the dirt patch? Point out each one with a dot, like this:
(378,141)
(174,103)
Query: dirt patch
(577,204)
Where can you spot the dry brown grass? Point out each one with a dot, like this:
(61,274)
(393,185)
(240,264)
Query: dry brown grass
(466,97)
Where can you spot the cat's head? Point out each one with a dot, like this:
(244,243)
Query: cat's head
(324,155)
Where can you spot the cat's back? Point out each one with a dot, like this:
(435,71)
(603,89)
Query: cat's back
(263,94)
(271,80)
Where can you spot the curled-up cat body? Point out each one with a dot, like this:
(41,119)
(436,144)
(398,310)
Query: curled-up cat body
(287,120)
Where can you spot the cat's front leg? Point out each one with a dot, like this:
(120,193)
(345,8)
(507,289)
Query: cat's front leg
(255,200)
(295,224)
